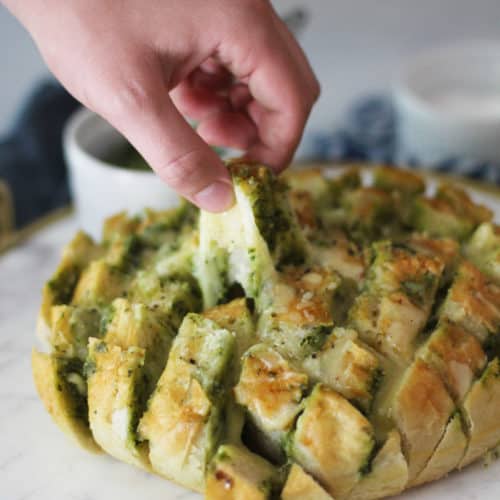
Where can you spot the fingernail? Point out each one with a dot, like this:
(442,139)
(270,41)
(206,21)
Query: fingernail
(216,197)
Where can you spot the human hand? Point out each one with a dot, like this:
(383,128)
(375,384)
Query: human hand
(231,65)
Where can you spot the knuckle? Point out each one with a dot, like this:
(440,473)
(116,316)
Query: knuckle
(131,96)
(183,172)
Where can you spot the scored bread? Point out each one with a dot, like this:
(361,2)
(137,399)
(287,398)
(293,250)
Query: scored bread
(323,338)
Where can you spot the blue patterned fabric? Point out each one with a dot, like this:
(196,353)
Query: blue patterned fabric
(31,157)
(369,134)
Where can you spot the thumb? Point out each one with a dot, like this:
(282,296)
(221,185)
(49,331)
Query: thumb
(147,117)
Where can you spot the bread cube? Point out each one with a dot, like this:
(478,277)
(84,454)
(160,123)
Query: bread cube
(330,418)
(236,473)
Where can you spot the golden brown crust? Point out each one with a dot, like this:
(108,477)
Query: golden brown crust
(119,224)
(270,388)
(456,355)
(329,418)
(388,475)
(227,314)
(112,398)
(172,424)
(57,401)
(481,409)
(462,203)
(348,366)
(474,302)
(421,410)
(398,324)
(100,281)
(310,180)
(236,473)
(75,256)
(301,486)
(445,249)
(448,453)
(340,255)
(398,179)
(303,204)
(134,324)
(405,265)
(302,298)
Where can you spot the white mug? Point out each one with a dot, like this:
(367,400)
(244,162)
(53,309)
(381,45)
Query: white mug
(99,188)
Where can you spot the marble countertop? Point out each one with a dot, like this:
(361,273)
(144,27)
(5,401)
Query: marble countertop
(37,462)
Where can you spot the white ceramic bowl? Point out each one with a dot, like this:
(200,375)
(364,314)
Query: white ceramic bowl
(448,104)
(99,188)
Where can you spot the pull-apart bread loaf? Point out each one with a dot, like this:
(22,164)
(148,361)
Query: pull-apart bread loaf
(323,338)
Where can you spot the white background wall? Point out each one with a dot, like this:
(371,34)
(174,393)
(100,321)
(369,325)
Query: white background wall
(355,46)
